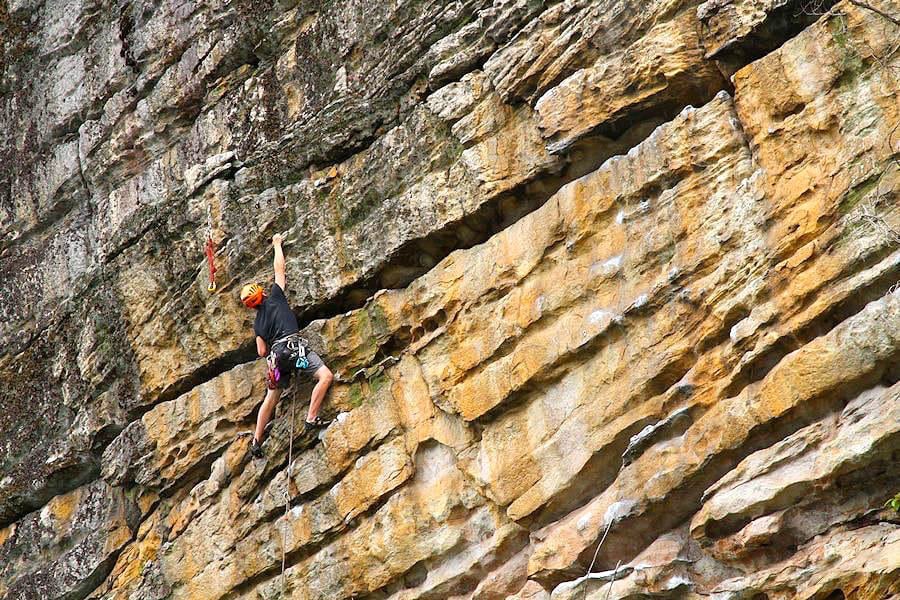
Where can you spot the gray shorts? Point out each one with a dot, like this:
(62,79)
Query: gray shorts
(287,370)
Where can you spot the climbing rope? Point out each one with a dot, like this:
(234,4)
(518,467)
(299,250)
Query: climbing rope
(613,579)
(287,499)
(593,560)
(210,250)
(597,551)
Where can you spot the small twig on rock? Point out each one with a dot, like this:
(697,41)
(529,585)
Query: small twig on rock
(877,11)
(890,139)
(870,217)
(814,8)
(376,368)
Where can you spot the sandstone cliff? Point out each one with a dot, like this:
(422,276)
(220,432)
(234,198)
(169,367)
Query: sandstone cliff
(609,289)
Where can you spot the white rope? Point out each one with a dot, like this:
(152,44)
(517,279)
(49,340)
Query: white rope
(611,581)
(287,499)
(596,552)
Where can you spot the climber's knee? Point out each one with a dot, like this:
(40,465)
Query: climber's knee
(324,375)
(272,397)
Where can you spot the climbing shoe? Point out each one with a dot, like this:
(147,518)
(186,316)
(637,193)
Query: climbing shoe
(311,428)
(317,423)
(256,450)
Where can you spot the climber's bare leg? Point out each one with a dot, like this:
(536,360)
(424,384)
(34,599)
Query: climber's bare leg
(323,377)
(265,413)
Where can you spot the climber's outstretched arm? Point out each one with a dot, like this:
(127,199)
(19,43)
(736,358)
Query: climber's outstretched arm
(261,346)
(279,261)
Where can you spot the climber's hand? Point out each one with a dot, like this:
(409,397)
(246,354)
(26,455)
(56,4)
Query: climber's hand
(277,239)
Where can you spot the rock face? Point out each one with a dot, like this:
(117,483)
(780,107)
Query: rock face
(609,289)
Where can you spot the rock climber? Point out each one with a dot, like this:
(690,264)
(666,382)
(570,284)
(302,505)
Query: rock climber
(278,339)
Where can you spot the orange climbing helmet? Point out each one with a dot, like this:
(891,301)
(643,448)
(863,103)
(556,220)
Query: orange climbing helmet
(252,295)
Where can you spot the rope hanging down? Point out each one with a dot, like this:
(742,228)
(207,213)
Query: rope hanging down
(287,494)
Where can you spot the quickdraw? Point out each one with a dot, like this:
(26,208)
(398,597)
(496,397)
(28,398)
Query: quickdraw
(210,250)
(297,347)
(273,375)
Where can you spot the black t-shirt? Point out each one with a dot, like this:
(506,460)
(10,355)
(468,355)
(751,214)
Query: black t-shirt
(274,317)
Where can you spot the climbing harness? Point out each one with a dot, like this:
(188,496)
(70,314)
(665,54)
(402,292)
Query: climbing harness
(210,250)
(293,348)
(289,349)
